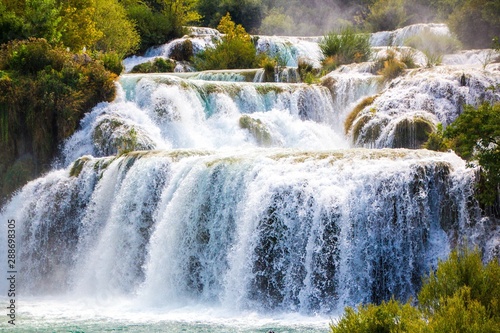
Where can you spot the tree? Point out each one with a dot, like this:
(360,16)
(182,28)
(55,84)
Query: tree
(476,22)
(42,20)
(11,25)
(386,15)
(236,50)
(161,20)
(78,24)
(118,32)
(277,23)
(248,13)
(475,136)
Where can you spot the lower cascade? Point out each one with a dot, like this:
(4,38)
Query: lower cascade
(263,229)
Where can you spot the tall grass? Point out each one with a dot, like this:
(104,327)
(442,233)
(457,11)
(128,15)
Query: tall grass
(346,47)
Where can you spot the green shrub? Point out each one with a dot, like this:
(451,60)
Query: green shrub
(434,46)
(269,66)
(463,268)
(235,51)
(112,61)
(159,65)
(346,47)
(389,317)
(462,295)
(307,72)
(436,141)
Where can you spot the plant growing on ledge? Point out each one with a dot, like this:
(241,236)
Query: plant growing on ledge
(346,47)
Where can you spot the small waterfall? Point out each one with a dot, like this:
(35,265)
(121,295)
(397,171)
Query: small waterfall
(399,36)
(418,101)
(289,50)
(262,230)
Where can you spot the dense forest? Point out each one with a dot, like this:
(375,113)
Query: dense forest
(59,58)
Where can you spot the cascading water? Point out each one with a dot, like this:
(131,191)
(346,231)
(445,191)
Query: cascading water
(214,202)
(274,229)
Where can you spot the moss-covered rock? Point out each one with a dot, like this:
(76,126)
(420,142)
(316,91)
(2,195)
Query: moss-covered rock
(356,111)
(257,129)
(18,174)
(182,51)
(77,166)
(412,132)
(113,136)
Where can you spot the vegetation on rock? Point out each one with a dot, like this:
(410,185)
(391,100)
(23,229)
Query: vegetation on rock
(159,65)
(44,92)
(346,46)
(236,50)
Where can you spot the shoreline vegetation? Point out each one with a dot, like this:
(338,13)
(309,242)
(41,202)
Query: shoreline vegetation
(58,59)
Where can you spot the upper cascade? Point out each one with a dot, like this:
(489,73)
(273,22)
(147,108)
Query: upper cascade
(161,111)
(289,50)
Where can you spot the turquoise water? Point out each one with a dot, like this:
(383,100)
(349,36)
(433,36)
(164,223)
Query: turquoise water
(61,316)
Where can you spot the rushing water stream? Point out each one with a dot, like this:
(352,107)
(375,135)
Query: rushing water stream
(244,206)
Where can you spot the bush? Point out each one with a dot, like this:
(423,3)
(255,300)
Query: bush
(159,65)
(112,61)
(388,317)
(269,66)
(346,47)
(460,296)
(461,278)
(391,66)
(235,51)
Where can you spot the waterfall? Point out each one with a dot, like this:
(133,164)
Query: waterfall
(217,195)
(164,111)
(265,230)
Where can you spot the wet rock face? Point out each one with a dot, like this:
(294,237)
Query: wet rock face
(113,135)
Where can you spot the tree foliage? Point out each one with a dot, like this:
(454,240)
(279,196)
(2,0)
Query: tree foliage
(386,15)
(44,92)
(475,136)
(248,13)
(476,22)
